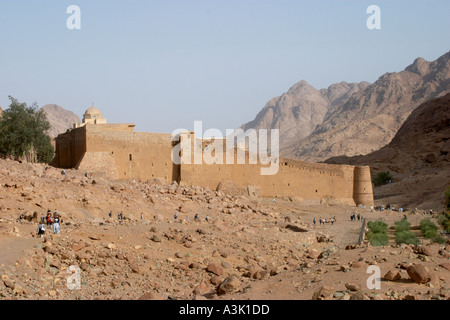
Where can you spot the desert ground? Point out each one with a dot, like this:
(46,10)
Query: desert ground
(249,249)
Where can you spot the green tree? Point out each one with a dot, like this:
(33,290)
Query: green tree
(23,133)
(382,178)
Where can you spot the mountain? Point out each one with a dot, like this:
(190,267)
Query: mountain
(418,157)
(301,109)
(370,118)
(60,119)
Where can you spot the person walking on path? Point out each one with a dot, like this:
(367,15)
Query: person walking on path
(56,226)
(49,217)
(314,221)
(41,229)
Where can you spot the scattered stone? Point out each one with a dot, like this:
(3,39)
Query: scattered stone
(229,285)
(323,293)
(149,296)
(445,265)
(419,274)
(359,296)
(353,286)
(155,238)
(214,268)
(392,275)
(202,288)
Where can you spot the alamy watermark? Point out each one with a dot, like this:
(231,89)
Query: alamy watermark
(374,281)
(251,144)
(73,22)
(374,21)
(74,280)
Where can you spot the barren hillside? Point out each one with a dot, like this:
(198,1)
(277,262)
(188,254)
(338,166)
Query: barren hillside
(60,119)
(301,109)
(249,248)
(371,117)
(418,157)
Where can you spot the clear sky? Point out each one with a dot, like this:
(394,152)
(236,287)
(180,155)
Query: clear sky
(164,64)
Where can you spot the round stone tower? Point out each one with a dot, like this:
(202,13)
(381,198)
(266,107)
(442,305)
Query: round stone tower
(362,186)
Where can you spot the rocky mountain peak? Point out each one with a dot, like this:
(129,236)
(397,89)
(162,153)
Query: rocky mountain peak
(419,66)
(60,119)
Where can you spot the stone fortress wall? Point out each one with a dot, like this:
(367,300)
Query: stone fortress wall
(121,153)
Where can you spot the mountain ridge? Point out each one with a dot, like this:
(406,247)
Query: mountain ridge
(370,118)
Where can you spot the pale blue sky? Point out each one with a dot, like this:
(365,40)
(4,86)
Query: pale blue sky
(164,64)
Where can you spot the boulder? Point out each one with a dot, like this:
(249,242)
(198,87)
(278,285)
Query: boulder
(229,285)
(418,273)
(353,286)
(202,288)
(323,293)
(445,265)
(214,268)
(313,254)
(392,275)
(359,296)
(430,250)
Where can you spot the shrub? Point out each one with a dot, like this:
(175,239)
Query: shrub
(382,178)
(402,225)
(406,237)
(430,233)
(439,239)
(379,239)
(444,220)
(378,226)
(378,233)
(428,228)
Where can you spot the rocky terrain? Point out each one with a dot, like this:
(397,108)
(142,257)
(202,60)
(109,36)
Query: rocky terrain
(418,157)
(60,119)
(249,248)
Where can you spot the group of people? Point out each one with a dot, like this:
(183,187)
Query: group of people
(354,216)
(323,221)
(120,216)
(388,208)
(52,220)
(196,217)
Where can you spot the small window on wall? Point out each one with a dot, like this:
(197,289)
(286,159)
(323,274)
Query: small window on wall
(131,157)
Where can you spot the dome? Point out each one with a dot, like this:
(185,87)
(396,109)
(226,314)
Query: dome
(93,113)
